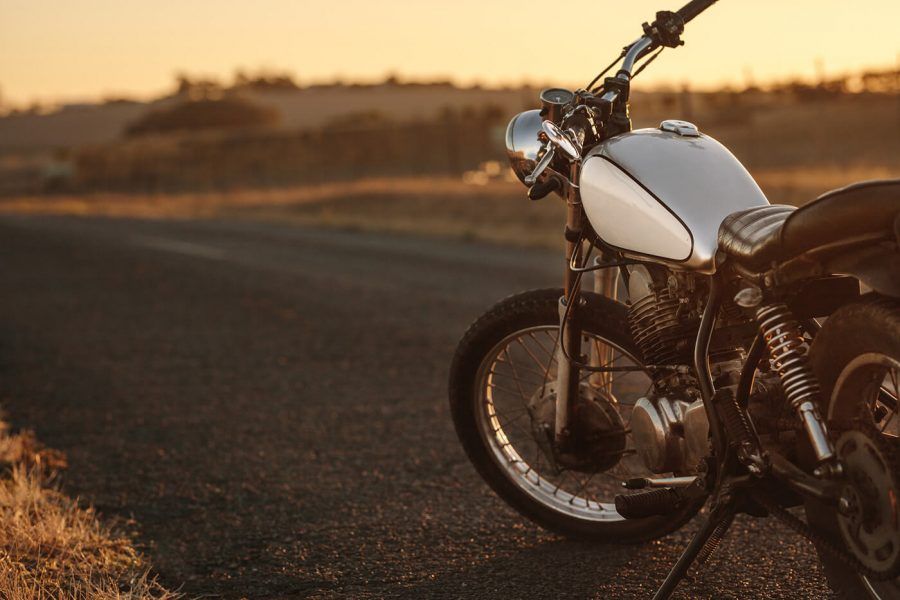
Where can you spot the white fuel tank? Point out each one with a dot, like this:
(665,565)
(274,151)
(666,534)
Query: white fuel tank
(662,193)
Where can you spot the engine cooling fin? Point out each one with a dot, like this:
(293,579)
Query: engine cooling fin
(659,331)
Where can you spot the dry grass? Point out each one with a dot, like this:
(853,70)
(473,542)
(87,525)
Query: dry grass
(496,211)
(52,548)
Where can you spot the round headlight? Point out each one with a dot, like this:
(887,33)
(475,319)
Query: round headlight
(523,148)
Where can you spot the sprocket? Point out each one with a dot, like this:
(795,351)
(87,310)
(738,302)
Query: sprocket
(869,515)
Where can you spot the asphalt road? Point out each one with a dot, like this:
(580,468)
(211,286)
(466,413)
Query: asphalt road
(268,404)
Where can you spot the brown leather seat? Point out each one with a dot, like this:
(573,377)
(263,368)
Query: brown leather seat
(759,236)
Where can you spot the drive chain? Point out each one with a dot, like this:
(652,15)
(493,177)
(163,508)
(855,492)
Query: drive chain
(892,452)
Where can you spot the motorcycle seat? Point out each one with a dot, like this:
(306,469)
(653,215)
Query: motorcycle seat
(760,236)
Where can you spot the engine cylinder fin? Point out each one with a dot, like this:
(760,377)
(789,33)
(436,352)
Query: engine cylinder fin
(658,329)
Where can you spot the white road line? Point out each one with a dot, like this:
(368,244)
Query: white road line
(179,247)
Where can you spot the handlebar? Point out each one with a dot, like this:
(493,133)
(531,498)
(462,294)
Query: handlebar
(651,40)
(693,8)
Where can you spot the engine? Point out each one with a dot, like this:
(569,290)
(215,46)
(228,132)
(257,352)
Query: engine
(662,321)
(670,435)
(670,426)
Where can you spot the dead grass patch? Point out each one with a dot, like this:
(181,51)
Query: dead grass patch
(52,548)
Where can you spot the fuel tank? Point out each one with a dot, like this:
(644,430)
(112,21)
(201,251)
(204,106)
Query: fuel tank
(662,193)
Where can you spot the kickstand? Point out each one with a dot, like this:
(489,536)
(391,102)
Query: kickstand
(716,524)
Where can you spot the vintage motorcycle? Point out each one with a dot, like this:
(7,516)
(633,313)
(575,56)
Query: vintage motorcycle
(706,384)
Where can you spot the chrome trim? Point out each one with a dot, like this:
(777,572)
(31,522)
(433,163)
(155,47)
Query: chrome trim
(562,141)
(634,53)
(682,128)
(523,148)
(663,482)
(548,157)
(635,50)
(788,352)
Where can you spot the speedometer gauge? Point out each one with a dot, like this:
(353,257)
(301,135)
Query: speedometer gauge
(557,96)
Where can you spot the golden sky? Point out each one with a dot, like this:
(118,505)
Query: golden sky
(81,49)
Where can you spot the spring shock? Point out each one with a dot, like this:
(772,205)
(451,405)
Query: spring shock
(787,350)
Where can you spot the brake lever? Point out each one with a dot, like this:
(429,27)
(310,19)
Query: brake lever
(567,143)
(542,165)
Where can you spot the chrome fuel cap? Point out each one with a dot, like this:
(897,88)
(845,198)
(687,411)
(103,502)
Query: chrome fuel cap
(682,128)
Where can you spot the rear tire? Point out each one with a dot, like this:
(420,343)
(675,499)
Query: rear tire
(870,327)
(603,318)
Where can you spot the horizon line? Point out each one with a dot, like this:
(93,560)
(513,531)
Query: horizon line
(393,76)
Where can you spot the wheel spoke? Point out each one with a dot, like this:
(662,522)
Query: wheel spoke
(519,363)
(581,489)
(541,346)
(516,377)
(522,368)
(502,425)
(503,389)
(531,354)
(888,421)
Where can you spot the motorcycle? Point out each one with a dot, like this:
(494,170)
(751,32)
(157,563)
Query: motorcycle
(698,376)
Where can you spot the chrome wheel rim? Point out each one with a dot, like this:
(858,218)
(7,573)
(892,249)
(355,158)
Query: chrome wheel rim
(522,364)
(878,376)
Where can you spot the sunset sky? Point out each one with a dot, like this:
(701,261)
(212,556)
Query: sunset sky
(54,50)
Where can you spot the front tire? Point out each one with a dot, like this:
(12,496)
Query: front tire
(506,466)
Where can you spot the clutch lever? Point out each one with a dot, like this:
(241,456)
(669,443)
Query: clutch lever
(557,140)
(542,165)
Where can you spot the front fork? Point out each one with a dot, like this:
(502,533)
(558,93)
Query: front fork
(570,332)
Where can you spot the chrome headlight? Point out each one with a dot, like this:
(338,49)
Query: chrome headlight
(523,148)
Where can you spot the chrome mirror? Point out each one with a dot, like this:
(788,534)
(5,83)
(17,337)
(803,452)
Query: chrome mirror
(562,141)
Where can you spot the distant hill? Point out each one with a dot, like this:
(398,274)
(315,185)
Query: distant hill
(305,108)
(298,109)
(274,133)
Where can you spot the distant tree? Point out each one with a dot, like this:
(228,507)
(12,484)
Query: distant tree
(204,114)
(264,81)
(881,82)
(197,88)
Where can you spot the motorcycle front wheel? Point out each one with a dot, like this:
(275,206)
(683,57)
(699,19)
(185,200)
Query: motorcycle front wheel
(502,370)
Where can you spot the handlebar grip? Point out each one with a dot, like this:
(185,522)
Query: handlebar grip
(693,8)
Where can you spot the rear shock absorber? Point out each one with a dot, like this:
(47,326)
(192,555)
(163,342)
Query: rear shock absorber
(787,350)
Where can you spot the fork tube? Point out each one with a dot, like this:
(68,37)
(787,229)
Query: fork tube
(567,374)
(606,283)
(573,232)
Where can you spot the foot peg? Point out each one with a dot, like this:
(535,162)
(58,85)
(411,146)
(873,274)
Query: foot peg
(652,503)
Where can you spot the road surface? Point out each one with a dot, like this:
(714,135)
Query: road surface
(268,405)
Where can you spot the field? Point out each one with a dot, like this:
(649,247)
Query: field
(411,159)
(475,207)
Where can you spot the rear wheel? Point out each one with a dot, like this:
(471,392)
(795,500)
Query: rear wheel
(856,357)
(502,393)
